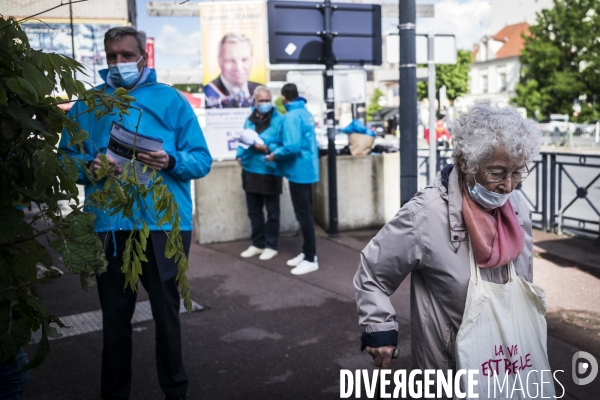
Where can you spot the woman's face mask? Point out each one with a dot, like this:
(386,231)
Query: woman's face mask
(125,74)
(486,198)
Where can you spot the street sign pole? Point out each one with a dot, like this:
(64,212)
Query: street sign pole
(330,120)
(432,114)
(408,101)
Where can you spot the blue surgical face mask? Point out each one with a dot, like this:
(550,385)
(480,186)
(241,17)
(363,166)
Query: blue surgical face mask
(486,198)
(264,108)
(124,74)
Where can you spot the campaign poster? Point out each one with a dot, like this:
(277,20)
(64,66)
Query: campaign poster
(88,39)
(234,55)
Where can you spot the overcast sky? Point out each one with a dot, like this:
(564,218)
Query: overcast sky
(177,39)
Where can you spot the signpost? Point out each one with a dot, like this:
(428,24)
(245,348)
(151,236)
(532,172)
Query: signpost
(330,34)
(408,102)
(446,54)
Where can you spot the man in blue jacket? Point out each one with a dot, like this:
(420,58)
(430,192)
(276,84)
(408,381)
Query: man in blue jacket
(261,180)
(166,116)
(298,159)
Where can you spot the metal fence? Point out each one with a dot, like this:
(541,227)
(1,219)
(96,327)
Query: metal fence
(563,190)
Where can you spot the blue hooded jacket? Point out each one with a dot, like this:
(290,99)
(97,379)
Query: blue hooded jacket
(165,115)
(298,158)
(254,161)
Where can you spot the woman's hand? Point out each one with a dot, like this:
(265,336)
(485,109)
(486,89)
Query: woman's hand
(382,356)
(261,147)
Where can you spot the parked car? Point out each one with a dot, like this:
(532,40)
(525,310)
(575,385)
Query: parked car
(555,130)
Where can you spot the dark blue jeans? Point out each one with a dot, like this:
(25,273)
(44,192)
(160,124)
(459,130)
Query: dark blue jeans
(302,201)
(12,379)
(263,234)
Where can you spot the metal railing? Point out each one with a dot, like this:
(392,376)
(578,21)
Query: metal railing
(572,177)
(563,190)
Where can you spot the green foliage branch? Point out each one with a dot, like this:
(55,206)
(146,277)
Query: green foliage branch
(34,170)
(454,76)
(561,61)
(374,107)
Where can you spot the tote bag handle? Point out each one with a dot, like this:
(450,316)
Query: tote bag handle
(475,268)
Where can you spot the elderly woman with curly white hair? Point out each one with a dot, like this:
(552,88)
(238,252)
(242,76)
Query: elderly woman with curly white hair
(466,242)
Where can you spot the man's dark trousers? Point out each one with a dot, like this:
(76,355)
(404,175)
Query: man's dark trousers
(263,235)
(118,305)
(301,195)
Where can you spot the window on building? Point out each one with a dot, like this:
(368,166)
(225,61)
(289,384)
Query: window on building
(503,84)
(484,83)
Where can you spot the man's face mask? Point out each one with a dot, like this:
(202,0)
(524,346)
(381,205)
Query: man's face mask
(125,74)
(264,108)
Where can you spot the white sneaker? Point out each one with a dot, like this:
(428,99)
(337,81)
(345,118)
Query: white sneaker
(305,267)
(267,254)
(296,260)
(251,252)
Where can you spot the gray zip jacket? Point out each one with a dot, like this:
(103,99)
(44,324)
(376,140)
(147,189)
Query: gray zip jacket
(428,239)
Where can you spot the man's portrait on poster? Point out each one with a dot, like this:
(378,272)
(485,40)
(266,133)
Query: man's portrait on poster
(232,88)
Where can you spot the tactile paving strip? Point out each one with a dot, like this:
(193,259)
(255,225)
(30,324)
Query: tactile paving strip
(91,321)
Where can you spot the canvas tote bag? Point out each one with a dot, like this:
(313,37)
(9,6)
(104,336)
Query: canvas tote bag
(504,332)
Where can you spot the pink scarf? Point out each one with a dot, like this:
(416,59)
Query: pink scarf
(496,239)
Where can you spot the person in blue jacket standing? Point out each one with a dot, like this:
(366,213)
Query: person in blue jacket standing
(184,156)
(261,179)
(298,159)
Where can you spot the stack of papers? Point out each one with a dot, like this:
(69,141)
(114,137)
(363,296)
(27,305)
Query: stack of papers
(124,144)
(247,138)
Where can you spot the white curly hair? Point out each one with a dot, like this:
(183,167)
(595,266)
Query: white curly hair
(484,127)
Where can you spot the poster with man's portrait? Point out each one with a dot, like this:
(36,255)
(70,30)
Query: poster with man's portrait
(234,57)
(234,52)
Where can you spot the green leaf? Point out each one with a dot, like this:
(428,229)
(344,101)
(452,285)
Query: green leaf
(70,167)
(87,280)
(140,251)
(37,79)
(80,248)
(37,305)
(26,256)
(41,353)
(79,137)
(14,333)
(143,241)
(23,88)
(13,225)
(24,116)
(85,170)
(145,229)
(45,163)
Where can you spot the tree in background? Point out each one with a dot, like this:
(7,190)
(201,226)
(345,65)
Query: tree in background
(34,171)
(454,76)
(374,107)
(561,61)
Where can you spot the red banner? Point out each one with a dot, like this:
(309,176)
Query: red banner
(150,52)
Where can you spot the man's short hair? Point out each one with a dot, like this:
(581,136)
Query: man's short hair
(233,37)
(261,88)
(289,91)
(120,32)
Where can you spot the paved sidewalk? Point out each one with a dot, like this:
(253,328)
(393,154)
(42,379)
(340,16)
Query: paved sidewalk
(266,334)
